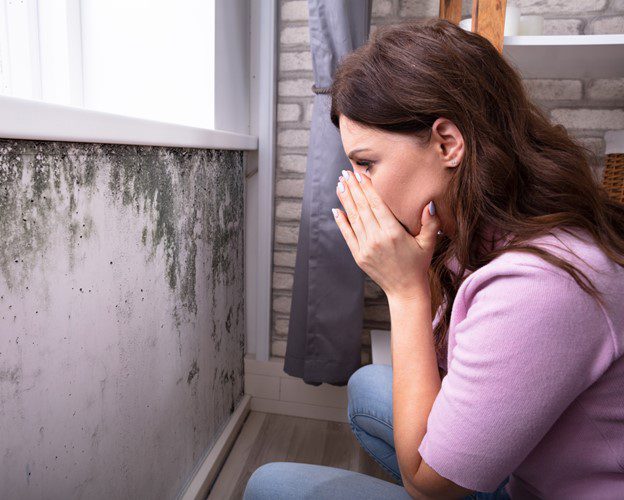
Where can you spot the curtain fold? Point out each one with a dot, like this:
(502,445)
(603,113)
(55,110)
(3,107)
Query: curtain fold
(326,315)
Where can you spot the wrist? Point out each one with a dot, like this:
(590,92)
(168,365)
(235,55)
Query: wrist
(415,295)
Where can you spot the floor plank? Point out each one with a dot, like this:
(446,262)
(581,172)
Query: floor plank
(267,437)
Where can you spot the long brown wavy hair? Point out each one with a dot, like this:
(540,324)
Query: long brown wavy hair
(521,174)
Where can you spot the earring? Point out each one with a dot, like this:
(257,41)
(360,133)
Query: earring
(454,162)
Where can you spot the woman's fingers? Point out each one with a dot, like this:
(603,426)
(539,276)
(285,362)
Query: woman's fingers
(369,221)
(347,231)
(384,216)
(351,210)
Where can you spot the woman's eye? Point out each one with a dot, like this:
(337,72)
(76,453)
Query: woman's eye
(366,164)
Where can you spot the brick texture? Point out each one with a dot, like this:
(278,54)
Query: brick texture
(588,108)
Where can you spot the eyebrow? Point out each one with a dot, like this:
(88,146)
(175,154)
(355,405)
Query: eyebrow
(352,153)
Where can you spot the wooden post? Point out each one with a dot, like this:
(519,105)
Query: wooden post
(451,10)
(488,20)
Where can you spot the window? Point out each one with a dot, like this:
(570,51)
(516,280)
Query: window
(151,59)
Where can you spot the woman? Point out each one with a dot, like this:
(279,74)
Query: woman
(467,202)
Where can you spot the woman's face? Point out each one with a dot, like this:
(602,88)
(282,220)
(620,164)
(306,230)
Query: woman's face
(406,174)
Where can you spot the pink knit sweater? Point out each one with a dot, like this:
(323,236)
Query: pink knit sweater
(535,382)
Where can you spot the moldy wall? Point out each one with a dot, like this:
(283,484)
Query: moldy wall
(121,315)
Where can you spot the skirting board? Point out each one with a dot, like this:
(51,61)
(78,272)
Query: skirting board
(207,472)
(274,391)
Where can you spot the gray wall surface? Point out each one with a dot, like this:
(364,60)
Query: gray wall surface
(121,315)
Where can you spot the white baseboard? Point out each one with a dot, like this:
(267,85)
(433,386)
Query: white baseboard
(206,474)
(274,391)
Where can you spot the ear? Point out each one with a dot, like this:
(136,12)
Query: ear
(449,142)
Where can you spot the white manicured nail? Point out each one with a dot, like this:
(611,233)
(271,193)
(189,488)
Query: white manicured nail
(341,187)
(345,174)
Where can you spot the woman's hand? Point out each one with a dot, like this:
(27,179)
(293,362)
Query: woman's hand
(382,248)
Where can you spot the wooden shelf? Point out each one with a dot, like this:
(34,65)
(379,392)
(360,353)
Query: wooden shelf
(566,56)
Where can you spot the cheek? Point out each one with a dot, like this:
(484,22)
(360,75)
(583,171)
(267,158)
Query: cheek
(396,196)
(404,199)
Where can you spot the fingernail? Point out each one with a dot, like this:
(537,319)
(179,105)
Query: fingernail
(358,177)
(346,174)
(335,212)
(341,187)
(431,208)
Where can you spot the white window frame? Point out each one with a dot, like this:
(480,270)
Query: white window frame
(28,118)
(259,203)
(245,119)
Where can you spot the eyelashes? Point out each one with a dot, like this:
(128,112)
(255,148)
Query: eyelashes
(367,164)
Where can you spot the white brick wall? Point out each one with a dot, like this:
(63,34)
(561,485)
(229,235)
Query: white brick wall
(288,112)
(553,89)
(586,107)
(551,7)
(295,35)
(293,61)
(605,89)
(296,10)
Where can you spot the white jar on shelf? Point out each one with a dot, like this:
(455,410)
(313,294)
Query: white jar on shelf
(512,20)
(531,25)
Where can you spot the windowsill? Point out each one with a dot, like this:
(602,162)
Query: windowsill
(30,119)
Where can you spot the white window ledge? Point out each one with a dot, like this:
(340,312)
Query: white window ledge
(31,119)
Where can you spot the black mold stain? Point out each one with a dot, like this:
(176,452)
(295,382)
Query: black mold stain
(188,194)
(194,371)
(228,321)
(12,375)
(35,179)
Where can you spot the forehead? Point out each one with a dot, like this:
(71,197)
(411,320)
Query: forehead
(353,133)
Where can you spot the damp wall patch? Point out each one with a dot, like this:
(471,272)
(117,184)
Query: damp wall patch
(121,315)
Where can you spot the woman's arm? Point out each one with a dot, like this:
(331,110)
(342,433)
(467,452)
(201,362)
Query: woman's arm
(416,383)
(398,262)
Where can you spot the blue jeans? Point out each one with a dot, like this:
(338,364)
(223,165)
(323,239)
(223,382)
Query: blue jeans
(370,416)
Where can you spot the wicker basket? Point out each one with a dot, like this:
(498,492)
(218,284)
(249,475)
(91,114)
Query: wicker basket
(613,179)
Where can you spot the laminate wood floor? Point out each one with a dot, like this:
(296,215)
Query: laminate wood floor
(267,437)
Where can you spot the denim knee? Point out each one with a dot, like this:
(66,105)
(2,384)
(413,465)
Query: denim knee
(366,382)
(262,480)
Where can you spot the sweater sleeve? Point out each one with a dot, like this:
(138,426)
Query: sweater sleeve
(530,342)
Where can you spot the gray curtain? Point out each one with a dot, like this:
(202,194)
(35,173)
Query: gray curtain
(326,315)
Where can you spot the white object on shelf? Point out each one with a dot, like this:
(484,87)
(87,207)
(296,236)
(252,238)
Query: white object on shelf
(466,24)
(566,56)
(512,21)
(614,142)
(380,347)
(531,25)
